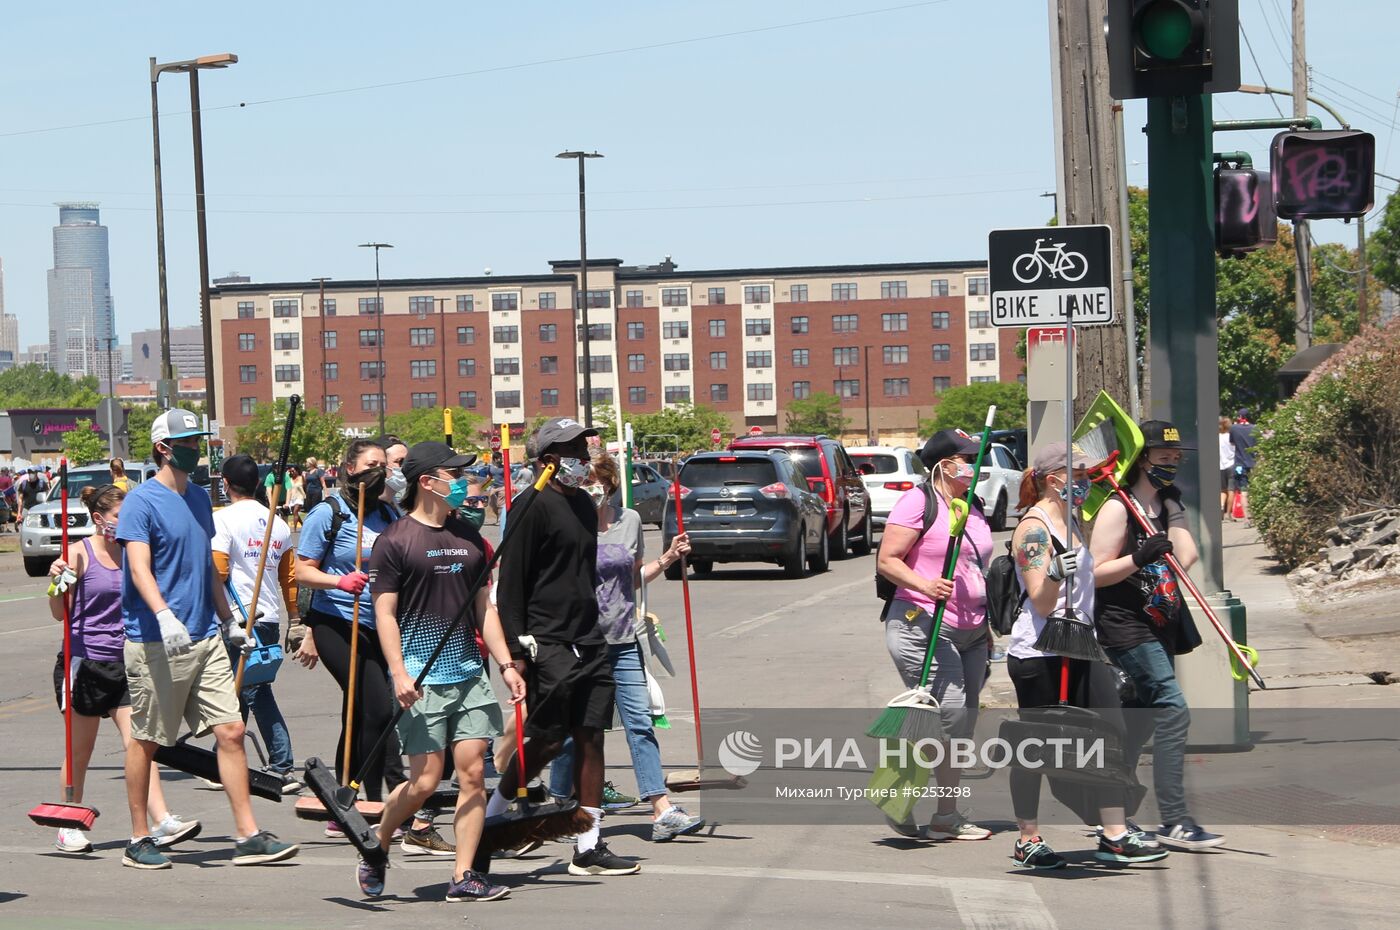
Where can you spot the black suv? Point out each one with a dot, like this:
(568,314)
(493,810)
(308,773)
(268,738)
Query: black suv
(747,506)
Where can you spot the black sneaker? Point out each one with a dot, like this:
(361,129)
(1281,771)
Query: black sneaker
(1035,853)
(144,854)
(1187,835)
(263,848)
(1130,849)
(1148,837)
(600,861)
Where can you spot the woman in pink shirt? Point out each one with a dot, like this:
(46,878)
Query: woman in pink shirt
(911,556)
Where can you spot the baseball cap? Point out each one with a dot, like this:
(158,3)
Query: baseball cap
(1052,458)
(946,443)
(559,430)
(241,473)
(176,424)
(423,457)
(1159,434)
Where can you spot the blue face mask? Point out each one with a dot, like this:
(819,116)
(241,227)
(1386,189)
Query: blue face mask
(456,491)
(1077,493)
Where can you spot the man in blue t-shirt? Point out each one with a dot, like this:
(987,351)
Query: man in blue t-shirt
(177,668)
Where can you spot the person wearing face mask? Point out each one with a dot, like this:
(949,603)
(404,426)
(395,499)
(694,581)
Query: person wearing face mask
(395,484)
(1143,623)
(911,556)
(177,668)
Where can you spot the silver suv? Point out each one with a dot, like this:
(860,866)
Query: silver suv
(41,535)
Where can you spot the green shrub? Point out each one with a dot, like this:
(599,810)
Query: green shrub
(1333,449)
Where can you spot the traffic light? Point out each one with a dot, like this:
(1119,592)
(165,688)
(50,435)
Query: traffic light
(1244,211)
(1169,48)
(1323,174)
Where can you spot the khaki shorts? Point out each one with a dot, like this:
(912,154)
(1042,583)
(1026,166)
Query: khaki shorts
(195,688)
(447,714)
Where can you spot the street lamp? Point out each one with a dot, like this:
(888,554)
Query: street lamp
(583,285)
(379,324)
(193,66)
(321,315)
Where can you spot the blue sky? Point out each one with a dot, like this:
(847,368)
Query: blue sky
(897,136)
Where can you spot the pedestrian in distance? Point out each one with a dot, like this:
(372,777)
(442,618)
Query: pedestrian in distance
(1242,436)
(1227,467)
(1143,622)
(315,483)
(1047,553)
(911,556)
(92,583)
(177,668)
(118,470)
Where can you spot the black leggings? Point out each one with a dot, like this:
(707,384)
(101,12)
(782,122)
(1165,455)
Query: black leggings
(1037,682)
(374,701)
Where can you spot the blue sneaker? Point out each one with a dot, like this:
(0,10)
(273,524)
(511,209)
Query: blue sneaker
(371,877)
(1187,835)
(144,854)
(473,886)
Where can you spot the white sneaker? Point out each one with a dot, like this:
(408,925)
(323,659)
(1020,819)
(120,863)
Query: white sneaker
(173,830)
(955,826)
(72,840)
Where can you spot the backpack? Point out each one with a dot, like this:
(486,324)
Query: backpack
(1005,596)
(340,514)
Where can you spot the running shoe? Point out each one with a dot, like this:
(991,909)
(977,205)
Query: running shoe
(72,840)
(1148,836)
(144,854)
(1130,849)
(1035,853)
(174,830)
(473,886)
(614,800)
(955,826)
(1187,835)
(426,841)
(600,861)
(677,821)
(371,877)
(334,831)
(290,783)
(263,848)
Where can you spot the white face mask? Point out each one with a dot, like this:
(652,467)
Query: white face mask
(599,495)
(396,483)
(572,472)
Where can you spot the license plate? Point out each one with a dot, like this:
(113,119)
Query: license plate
(725,510)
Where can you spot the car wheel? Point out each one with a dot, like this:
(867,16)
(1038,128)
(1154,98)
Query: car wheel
(795,560)
(673,571)
(820,560)
(37,566)
(866,542)
(702,566)
(839,543)
(998,521)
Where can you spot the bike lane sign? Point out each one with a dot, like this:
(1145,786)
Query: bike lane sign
(1051,275)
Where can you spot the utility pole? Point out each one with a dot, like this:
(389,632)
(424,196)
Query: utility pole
(869,388)
(1361,272)
(442,339)
(321,314)
(1302,279)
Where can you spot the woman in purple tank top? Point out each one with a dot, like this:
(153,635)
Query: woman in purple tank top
(94,593)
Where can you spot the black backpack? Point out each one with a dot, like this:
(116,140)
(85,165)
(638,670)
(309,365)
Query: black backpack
(1005,596)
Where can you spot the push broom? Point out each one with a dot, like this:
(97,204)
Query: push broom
(69,814)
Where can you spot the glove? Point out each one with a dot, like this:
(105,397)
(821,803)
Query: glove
(528,643)
(173,633)
(238,637)
(1063,565)
(296,632)
(62,582)
(1152,549)
(352,583)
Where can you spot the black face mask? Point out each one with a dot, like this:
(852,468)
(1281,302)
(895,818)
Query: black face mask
(373,480)
(1161,476)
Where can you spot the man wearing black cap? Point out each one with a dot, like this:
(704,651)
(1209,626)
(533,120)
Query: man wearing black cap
(549,608)
(421,572)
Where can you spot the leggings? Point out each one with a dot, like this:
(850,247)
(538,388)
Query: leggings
(374,702)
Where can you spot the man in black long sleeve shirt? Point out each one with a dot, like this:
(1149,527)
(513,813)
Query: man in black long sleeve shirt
(549,608)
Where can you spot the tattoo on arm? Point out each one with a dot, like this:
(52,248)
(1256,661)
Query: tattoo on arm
(1031,552)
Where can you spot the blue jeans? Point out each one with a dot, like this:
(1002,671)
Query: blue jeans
(260,701)
(1153,672)
(634,708)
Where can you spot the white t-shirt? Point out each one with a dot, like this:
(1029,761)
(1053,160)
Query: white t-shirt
(238,531)
(1227,453)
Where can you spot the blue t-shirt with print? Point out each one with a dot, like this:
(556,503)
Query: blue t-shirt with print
(339,558)
(179,529)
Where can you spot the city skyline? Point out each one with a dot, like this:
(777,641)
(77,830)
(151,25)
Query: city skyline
(82,314)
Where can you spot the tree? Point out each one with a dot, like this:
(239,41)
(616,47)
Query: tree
(424,424)
(817,413)
(965,407)
(83,444)
(1384,246)
(690,423)
(605,422)
(316,433)
(36,386)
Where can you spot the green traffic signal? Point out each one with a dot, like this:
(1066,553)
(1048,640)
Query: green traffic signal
(1165,29)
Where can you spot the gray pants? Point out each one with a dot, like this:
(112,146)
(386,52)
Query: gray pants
(959,664)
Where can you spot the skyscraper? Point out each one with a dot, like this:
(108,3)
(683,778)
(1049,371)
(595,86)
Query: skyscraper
(81,317)
(9,323)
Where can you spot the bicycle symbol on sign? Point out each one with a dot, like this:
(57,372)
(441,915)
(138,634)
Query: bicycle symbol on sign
(1028,267)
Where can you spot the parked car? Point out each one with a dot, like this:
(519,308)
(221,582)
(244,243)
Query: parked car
(888,471)
(41,536)
(831,474)
(1016,442)
(1000,486)
(648,493)
(748,506)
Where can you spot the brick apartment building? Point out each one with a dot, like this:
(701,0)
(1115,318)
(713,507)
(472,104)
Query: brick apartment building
(744,341)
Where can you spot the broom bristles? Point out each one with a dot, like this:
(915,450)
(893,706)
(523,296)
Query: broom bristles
(64,816)
(895,721)
(544,823)
(1068,636)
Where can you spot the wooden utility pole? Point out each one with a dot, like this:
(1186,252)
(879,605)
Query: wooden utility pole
(1301,280)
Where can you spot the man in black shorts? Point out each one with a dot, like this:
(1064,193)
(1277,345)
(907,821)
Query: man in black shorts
(549,609)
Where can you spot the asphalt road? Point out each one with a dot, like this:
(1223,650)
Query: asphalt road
(762,641)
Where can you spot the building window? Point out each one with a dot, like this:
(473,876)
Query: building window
(330,403)
(247,374)
(597,364)
(675,329)
(634,298)
(843,292)
(717,329)
(844,323)
(599,299)
(801,358)
(983,379)
(758,294)
(466,400)
(507,398)
(370,305)
(600,396)
(372,370)
(636,395)
(847,387)
(760,390)
(719,392)
(505,302)
(798,294)
(420,305)
(983,351)
(894,322)
(549,397)
(939,287)
(246,405)
(980,286)
(677,394)
(979,319)
(675,297)
(760,326)
(549,364)
(716,295)
(421,399)
(330,339)
(422,368)
(893,290)
(636,331)
(422,336)
(896,387)
(466,367)
(719,361)
(801,389)
(942,319)
(502,335)
(284,308)
(371,403)
(286,341)
(637,362)
(466,335)
(332,371)
(506,366)
(597,332)
(547,303)
(896,355)
(549,332)
(466,303)
(328,307)
(763,359)
(245,310)
(369,338)
(941,384)
(942,352)
(677,361)
(845,355)
(247,342)
(800,325)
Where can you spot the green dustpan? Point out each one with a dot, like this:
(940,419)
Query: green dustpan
(1105,429)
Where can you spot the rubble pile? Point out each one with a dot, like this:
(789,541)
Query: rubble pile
(1361,547)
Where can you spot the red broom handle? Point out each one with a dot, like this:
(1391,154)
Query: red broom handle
(521,792)
(689,627)
(1064,681)
(67,643)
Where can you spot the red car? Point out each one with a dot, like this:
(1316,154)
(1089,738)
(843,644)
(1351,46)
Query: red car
(831,474)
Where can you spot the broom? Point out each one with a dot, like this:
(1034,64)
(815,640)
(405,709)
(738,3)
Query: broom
(69,814)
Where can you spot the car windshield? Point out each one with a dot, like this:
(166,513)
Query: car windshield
(884,463)
(77,480)
(713,473)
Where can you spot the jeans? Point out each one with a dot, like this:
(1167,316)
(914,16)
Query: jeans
(260,701)
(634,708)
(1154,676)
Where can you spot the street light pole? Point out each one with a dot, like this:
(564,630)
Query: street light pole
(202,236)
(587,366)
(166,373)
(379,325)
(442,338)
(321,314)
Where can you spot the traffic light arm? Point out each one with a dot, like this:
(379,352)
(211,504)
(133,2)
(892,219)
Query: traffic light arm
(1257,89)
(1244,125)
(1233,159)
